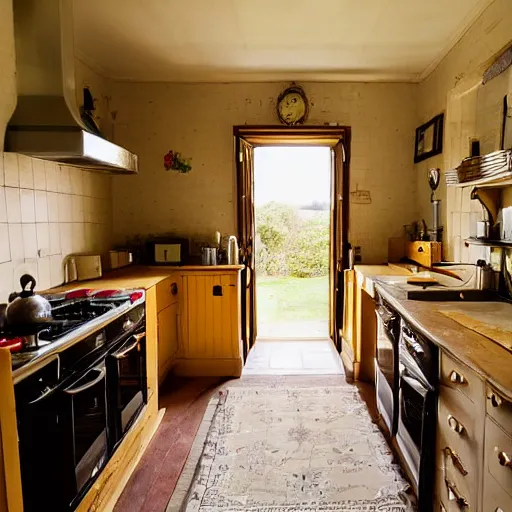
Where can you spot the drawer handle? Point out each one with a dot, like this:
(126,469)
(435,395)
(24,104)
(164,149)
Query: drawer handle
(456,460)
(457,378)
(495,399)
(455,425)
(173,290)
(455,495)
(504,459)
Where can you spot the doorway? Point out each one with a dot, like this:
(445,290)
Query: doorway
(249,140)
(292,196)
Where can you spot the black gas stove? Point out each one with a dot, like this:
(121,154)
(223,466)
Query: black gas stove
(80,384)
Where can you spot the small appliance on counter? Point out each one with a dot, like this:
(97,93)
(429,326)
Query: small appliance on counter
(168,251)
(120,259)
(233,251)
(82,267)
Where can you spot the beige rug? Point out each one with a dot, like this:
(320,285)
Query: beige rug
(289,450)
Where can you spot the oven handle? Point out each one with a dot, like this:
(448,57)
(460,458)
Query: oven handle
(79,389)
(124,353)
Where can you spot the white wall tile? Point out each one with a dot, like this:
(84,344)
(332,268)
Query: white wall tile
(78,237)
(76,179)
(3,206)
(52,176)
(66,238)
(29,240)
(54,238)
(64,182)
(12,199)
(56,271)
(65,208)
(39,174)
(29,266)
(43,239)
(43,271)
(6,280)
(77,209)
(28,212)
(26,172)
(11,173)
(53,206)
(2,176)
(5,253)
(41,205)
(16,242)
(87,183)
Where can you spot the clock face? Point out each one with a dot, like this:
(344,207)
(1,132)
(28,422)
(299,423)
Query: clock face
(292,106)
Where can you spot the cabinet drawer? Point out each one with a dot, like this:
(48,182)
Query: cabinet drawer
(458,376)
(460,425)
(498,455)
(499,408)
(495,498)
(167,292)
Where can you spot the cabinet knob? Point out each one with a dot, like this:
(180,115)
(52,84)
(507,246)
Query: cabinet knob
(456,496)
(455,424)
(457,378)
(504,459)
(173,290)
(495,399)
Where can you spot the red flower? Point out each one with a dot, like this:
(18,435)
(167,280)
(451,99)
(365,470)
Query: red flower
(169,160)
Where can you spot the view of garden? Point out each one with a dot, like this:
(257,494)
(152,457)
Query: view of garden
(292,249)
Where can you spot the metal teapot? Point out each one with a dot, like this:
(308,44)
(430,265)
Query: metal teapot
(26,309)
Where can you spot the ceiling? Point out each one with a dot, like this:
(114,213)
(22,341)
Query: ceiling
(269,40)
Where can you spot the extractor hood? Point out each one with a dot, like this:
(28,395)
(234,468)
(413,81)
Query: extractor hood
(47,122)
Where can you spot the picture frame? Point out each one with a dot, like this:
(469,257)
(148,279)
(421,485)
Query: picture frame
(429,139)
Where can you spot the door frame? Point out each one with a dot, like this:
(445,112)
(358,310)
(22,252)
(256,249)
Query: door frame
(309,135)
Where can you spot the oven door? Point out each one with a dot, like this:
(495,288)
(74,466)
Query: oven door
(126,367)
(87,409)
(416,432)
(386,366)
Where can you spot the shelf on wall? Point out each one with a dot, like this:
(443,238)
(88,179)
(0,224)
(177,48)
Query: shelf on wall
(489,243)
(486,183)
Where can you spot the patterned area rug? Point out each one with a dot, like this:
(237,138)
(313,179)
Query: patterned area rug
(293,450)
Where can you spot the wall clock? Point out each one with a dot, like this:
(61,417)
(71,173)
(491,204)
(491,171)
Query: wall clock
(292,106)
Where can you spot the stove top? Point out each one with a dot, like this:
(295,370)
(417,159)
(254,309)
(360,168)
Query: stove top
(74,315)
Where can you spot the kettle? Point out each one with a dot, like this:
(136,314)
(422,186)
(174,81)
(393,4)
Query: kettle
(233,252)
(26,309)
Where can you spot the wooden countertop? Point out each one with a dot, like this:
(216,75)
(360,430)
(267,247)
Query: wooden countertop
(139,276)
(481,354)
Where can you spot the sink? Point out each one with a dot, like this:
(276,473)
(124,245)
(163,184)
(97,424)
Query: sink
(453,295)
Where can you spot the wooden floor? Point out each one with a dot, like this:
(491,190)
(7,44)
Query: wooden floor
(152,483)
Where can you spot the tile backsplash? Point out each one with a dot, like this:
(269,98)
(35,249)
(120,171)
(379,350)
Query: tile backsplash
(48,211)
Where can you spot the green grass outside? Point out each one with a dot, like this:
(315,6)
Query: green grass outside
(291,298)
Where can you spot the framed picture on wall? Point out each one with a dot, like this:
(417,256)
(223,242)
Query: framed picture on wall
(429,139)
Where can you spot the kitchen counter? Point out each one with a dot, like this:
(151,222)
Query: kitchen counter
(139,276)
(484,356)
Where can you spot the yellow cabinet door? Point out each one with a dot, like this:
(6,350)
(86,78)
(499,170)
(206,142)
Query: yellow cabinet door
(210,316)
(167,339)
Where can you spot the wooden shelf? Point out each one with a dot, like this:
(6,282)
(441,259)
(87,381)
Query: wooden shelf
(485,183)
(489,243)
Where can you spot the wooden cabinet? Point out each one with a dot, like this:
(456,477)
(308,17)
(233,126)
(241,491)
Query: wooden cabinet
(167,299)
(210,324)
(167,339)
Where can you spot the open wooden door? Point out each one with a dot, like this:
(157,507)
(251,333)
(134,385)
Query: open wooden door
(338,240)
(247,235)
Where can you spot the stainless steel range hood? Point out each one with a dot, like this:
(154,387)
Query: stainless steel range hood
(47,122)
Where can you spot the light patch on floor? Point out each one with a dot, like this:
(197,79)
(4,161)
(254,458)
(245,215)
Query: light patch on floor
(290,357)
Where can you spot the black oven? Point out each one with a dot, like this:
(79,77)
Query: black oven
(417,411)
(75,407)
(126,368)
(85,412)
(386,364)
(63,434)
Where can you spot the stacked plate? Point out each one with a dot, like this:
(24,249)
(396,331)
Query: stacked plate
(493,166)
